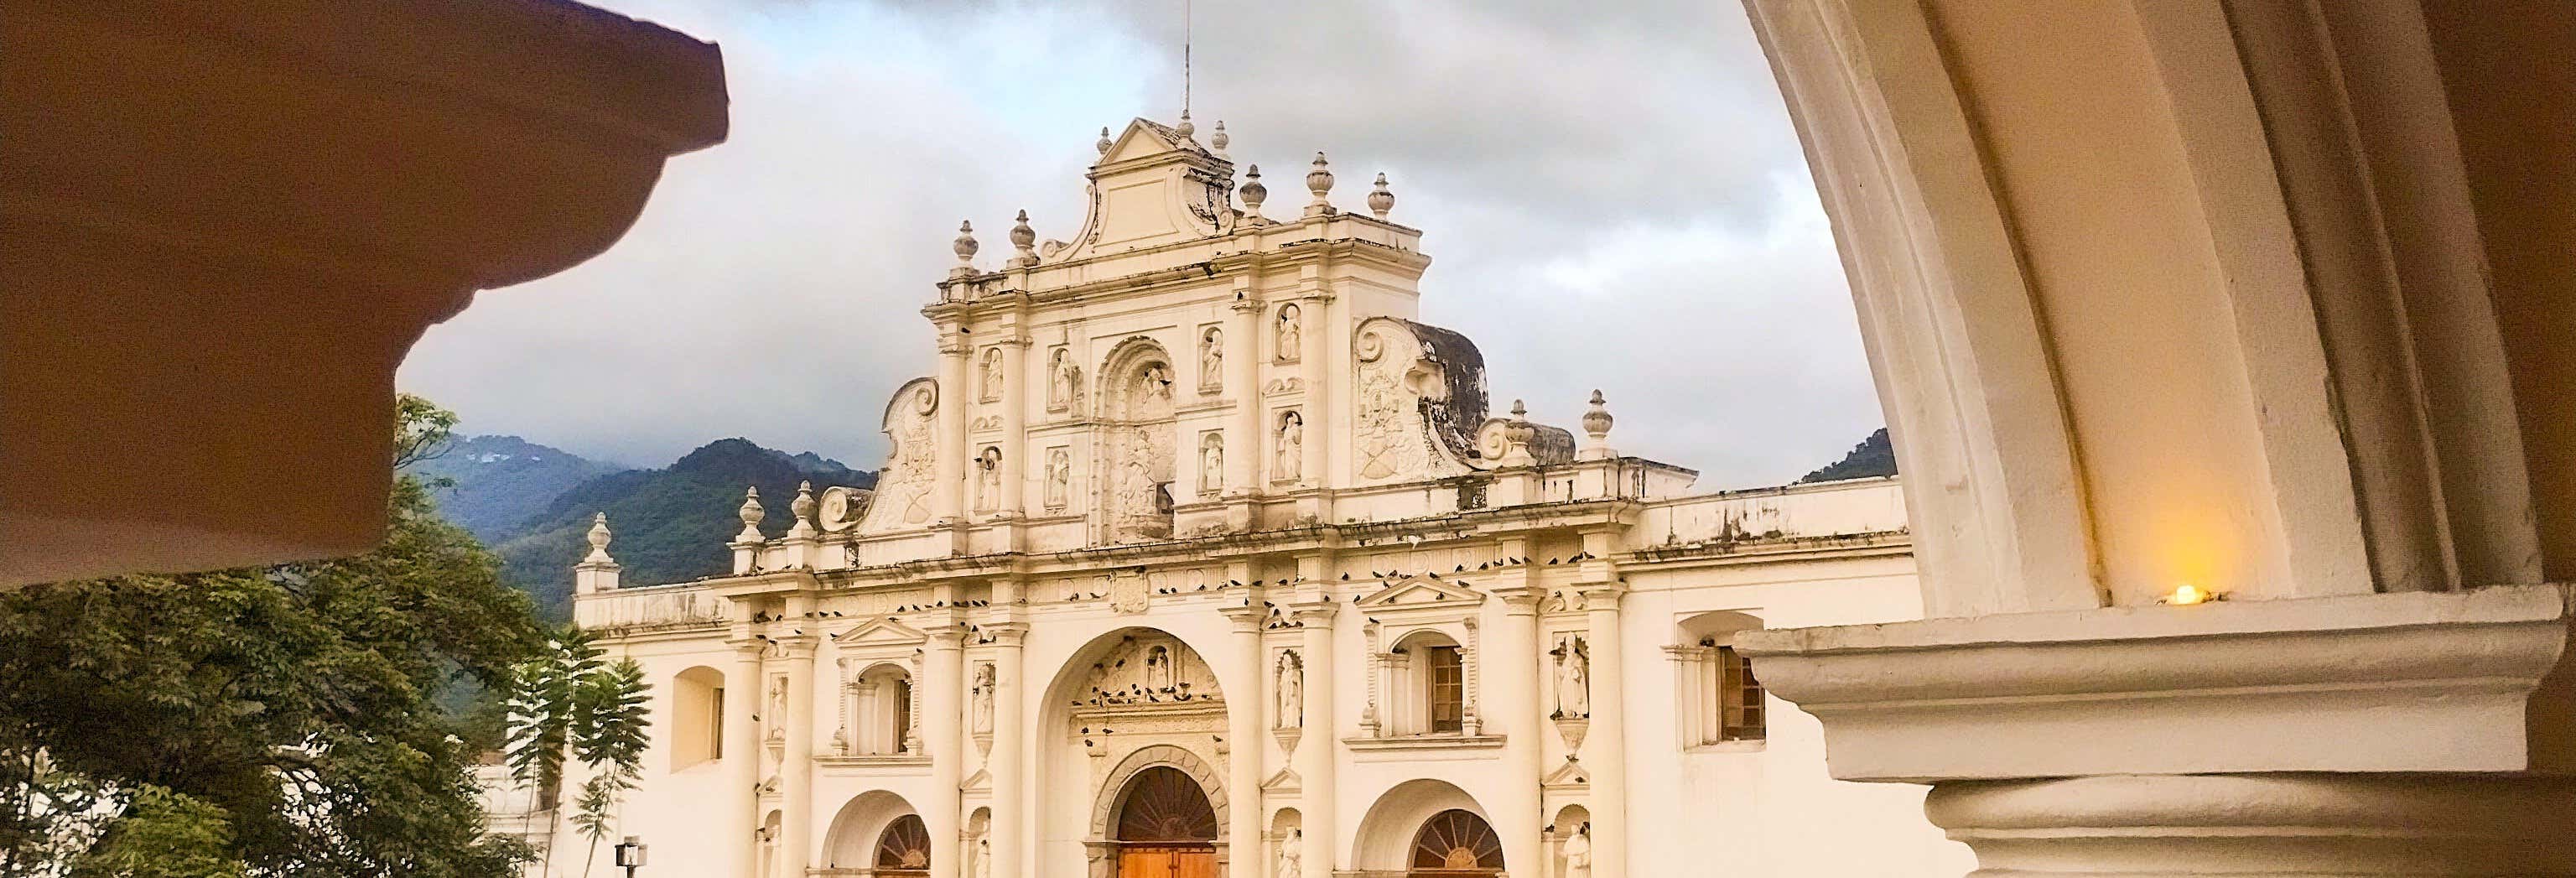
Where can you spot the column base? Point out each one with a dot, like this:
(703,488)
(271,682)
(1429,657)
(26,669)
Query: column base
(2306,824)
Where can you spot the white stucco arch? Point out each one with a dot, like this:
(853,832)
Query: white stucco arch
(1385,836)
(851,842)
(1113,789)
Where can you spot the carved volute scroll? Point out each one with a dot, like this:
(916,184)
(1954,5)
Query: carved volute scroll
(903,488)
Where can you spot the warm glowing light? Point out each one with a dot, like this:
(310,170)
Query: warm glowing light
(2186,594)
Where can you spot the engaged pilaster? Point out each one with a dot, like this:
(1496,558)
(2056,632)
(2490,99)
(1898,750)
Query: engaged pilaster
(1010,745)
(943,679)
(1315,752)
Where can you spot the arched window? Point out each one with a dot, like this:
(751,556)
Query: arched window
(1427,679)
(1720,699)
(1164,805)
(697,717)
(904,848)
(1455,844)
(880,720)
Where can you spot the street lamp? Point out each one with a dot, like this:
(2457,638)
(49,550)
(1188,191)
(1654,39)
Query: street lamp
(630,855)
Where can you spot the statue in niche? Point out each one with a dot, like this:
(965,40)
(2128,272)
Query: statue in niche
(983,858)
(1158,381)
(1212,359)
(1136,487)
(1158,669)
(1291,336)
(992,374)
(1212,463)
(1291,454)
(1292,690)
(988,485)
(985,683)
(1290,855)
(1065,376)
(778,708)
(1059,478)
(1578,852)
(1573,679)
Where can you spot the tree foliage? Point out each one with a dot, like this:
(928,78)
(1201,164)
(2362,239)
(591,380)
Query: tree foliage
(275,721)
(571,703)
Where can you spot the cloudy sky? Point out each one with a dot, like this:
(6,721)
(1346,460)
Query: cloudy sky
(1612,197)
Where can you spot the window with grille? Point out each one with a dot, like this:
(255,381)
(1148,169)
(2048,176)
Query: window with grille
(1447,679)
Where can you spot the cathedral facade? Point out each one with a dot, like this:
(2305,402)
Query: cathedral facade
(1199,554)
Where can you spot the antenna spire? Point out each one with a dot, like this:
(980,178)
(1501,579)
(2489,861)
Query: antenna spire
(1185,58)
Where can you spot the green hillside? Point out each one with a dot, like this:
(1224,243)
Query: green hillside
(1874,456)
(494,484)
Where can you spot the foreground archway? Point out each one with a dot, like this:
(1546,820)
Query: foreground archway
(877,833)
(1427,828)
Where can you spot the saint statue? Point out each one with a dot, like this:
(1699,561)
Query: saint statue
(1578,853)
(1292,448)
(778,708)
(1292,691)
(1158,669)
(984,686)
(988,488)
(1573,680)
(1212,359)
(1290,335)
(983,858)
(1212,464)
(1059,479)
(1158,381)
(993,374)
(1060,390)
(1290,854)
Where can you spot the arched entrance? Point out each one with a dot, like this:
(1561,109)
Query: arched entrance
(1456,844)
(1166,827)
(903,849)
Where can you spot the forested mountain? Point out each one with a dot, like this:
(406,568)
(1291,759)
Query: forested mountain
(495,483)
(1872,457)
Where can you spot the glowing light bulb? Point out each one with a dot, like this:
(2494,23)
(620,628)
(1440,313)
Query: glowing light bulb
(2186,593)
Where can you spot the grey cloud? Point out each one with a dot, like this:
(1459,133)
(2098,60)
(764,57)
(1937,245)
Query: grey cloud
(1612,195)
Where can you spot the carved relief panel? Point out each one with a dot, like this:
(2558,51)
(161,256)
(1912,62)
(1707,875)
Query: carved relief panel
(902,496)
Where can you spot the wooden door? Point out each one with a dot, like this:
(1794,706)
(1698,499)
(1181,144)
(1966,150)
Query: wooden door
(1138,861)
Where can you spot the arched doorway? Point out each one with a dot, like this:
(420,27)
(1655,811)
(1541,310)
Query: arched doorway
(903,849)
(1456,844)
(1166,827)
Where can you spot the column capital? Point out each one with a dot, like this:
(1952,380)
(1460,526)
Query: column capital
(1601,595)
(1520,600)
(1247,619)
(1316,613)
(954,344)
(1007,634)
(948,635)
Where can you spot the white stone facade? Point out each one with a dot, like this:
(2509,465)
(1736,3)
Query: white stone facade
(1194,508)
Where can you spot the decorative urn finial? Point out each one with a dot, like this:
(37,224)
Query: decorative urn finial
(1218,140)
(1596,430)
(1024,240)
(965,247)
(1185,129)
(1253,192)
(751,514)
(599,541)
(1320,181)
(1104,143)
(1518,433)
(803,508)
(1380,199)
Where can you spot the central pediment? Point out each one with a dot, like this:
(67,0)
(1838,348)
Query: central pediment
(1154,185)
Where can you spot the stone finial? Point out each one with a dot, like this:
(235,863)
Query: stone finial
(1517,435)
(751,514)
(1185,129)
(1218,140)
(1024,240)
(803,508)
(1596,430)
(1380,199)
(1320,181)
(1104,143)
(1253,192)
(965,248)
(599,537)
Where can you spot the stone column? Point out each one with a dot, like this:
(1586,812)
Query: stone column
(948,493)
(796,763)
(1515,678)
(943,680)
(1605,744)
(1247,445)
(1246,701)
(1012,840)
(1317,745)
(1016,397)
(741,751)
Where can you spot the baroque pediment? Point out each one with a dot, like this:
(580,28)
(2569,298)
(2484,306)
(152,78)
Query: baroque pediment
(881,632)
(1422,592)
(1152,186)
